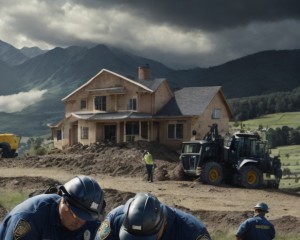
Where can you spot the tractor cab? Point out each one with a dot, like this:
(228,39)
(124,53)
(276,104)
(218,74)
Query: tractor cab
(245,145)
(194,154)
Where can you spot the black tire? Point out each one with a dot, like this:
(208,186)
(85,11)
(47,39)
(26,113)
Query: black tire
(251,177)
(13,154)
(6,152)
(212,173)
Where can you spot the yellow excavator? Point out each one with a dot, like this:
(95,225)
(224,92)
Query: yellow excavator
(9,144)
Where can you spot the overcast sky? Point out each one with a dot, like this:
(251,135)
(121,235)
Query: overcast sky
(179,33)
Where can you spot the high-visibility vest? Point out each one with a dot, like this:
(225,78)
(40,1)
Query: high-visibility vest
(148,158)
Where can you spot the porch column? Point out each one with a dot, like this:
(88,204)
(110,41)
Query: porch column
(124,133)
(118,132)
(151,130)
(140,129)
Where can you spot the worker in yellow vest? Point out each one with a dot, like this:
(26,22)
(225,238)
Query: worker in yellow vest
(149,164)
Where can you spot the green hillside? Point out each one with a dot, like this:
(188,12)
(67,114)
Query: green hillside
(290,119)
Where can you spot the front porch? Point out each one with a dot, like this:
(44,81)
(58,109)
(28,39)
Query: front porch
(105,127)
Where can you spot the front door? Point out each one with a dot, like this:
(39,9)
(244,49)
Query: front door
(110,133)
(144,130)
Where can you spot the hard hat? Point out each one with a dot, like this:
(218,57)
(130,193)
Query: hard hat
(144,218)
(85,197)
(262,206)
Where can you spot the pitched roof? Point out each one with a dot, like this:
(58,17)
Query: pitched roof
(152,84)
(148,85)
(190,101)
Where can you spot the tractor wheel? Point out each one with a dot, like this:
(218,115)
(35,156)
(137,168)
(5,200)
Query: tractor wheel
(5,150)
(251,177)
(212,173)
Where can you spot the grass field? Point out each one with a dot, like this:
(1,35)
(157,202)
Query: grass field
(290,158)
(290,119)
(10,198)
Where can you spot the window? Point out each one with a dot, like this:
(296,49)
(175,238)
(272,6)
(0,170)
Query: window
(100,103)
(83,104)
(132,128)
(132,104)
(191,148)
(84,132)
(175,131)
(216,113)
(58,134)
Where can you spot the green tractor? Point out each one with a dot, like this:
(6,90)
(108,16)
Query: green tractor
(243,160)
(9,144)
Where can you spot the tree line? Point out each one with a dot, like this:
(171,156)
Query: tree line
(253,107)
(283,136)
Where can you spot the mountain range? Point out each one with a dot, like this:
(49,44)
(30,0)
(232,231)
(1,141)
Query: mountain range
(62,70)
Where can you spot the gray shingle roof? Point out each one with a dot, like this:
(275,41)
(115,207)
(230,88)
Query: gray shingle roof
(153,84)
(190,101)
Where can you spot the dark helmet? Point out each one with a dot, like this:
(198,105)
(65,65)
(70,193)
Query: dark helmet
(145,152)
(143,219)
(262,206)
(85,197)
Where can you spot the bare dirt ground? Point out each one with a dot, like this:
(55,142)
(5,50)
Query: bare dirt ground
(121,173)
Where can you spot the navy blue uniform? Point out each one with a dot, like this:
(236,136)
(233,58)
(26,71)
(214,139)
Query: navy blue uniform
(180,225)
(258,228)
(38,218)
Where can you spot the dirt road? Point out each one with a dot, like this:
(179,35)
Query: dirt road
(191,195)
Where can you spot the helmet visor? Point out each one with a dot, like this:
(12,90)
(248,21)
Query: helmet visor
(81,212)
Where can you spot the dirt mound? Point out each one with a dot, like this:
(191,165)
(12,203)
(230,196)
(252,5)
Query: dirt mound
(288,224)
(111,159)
(20,183)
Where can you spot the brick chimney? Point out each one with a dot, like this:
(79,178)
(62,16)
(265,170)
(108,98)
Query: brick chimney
(143,72)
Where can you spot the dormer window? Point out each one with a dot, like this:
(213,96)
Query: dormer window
(100,103)
(132,105)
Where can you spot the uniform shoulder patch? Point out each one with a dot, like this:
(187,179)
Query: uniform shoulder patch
(87,235)
(21,229)
(203,237)
(104,229)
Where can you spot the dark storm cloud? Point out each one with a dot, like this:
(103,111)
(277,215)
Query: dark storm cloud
(179,33)
(209,15)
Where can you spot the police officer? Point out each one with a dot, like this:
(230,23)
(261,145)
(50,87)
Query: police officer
(71,214)
(145,217)
(149,164)
(257,227)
